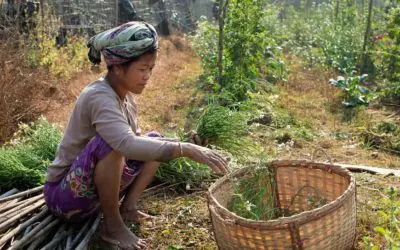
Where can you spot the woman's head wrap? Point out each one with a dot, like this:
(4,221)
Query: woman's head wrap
(123,43)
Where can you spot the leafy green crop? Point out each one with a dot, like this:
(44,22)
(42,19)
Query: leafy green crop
(354,93)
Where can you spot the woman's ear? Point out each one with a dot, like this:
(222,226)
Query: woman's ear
(117,69)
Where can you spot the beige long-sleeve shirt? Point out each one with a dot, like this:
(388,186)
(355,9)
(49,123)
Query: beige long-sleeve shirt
(99,110)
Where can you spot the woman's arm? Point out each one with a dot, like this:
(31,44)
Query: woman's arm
(112,126)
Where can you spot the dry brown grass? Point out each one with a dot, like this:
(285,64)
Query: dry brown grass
(23,91)
(27,93)
(172,86)
(309,98)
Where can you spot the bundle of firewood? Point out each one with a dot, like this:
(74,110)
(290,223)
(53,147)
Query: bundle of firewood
(26,223)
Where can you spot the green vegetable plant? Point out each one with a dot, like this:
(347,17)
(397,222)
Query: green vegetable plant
(389,225)
(354,93)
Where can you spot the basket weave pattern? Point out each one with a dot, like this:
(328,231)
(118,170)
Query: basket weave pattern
(298,183)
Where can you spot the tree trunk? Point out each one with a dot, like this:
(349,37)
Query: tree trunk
(221,18)
(366,36)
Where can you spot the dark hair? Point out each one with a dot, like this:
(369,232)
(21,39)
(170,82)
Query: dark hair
(125,65)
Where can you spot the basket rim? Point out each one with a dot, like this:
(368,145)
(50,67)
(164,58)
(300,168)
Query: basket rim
(283,222)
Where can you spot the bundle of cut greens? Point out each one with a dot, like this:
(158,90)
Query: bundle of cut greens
(13,174)
(225,129)
(24,160)
(183,171)
(222,128)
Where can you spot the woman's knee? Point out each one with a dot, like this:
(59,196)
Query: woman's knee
(151,164)
(113,161)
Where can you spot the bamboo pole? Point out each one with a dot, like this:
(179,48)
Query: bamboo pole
(11,192)
(53,244)
(69,242)
(36,233)
(19,207)
(85,241)
(21,227)
(6,224)
(30,227)
(9,204)
(21,194)
(34,245)
(80,233)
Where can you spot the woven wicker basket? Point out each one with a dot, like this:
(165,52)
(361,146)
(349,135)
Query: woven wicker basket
(331,226)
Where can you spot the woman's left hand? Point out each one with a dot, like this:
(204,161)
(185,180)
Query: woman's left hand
(195,139)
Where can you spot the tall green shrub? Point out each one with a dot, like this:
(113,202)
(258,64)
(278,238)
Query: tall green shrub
(250,50)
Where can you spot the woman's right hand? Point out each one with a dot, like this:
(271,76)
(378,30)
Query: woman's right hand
(205,156)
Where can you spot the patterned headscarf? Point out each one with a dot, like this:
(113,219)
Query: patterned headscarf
(123,43)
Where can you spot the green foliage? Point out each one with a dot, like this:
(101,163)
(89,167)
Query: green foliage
(354,93)
(385,135)
(41,51)
(255,194)
(393,50)
(245,42)
(320,38)
(183,171)
(224,128)
(388,56)
(24,160)
(389,222)
(40,137)
(14,174)
(250,53)
(205,43)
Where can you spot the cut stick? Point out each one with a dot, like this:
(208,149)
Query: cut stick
(22,194)
(35,234)
(14,213)
(8,193)
(20,207)
(154,190)
(60,230)
(69,241)
(81,232)
(6,224)
(21,227)
(29,228)
(10,204)
(92,230)
(32,233)
(53,243)
(34,245)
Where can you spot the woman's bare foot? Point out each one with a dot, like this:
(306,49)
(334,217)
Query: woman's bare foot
(123,238)
(136,216)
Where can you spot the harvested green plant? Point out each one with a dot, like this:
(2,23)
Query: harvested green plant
(24,160)
(14,174)
(254,196)
(40,137)
(224,128)
(183,171)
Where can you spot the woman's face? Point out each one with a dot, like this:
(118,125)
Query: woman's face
(135,78)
